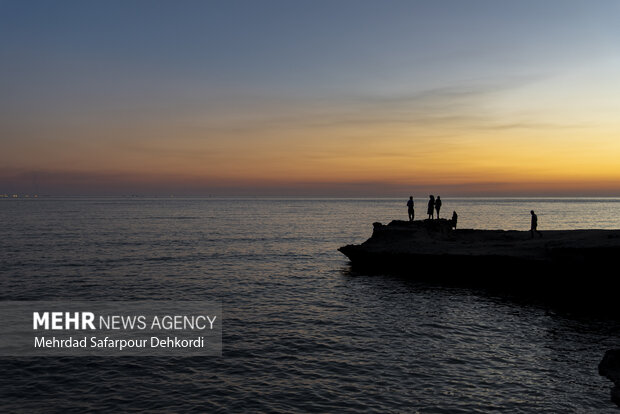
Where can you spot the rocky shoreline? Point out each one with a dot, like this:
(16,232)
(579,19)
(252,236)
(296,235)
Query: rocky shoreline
(573,266)
(610,368)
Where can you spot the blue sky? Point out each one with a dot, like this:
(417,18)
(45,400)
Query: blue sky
(72,69)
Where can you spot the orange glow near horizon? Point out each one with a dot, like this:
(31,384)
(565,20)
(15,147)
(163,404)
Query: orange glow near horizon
(497,161)
(493,98)
(508,141)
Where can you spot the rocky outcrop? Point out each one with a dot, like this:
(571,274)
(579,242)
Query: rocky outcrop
(574,266)
(436,239)
(610,367)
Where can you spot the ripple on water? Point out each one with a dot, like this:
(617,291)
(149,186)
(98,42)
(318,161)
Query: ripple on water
(301,332)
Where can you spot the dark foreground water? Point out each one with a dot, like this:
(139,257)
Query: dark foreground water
(301,333)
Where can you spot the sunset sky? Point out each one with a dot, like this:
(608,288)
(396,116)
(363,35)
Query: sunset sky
(334,98)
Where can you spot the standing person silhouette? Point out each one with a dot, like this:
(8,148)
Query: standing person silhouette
(534,227)
(431,207)
(410,208)
(438,205)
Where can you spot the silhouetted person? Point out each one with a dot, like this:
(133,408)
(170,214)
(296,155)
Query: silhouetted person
(431,206)
(410,208)
(438,205)
(533,229)
(455,217)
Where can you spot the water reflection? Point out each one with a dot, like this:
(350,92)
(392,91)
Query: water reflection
(301,333)
(497,347)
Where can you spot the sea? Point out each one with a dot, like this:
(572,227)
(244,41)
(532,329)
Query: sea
(302,331)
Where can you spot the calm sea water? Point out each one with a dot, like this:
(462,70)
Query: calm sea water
(301,332)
